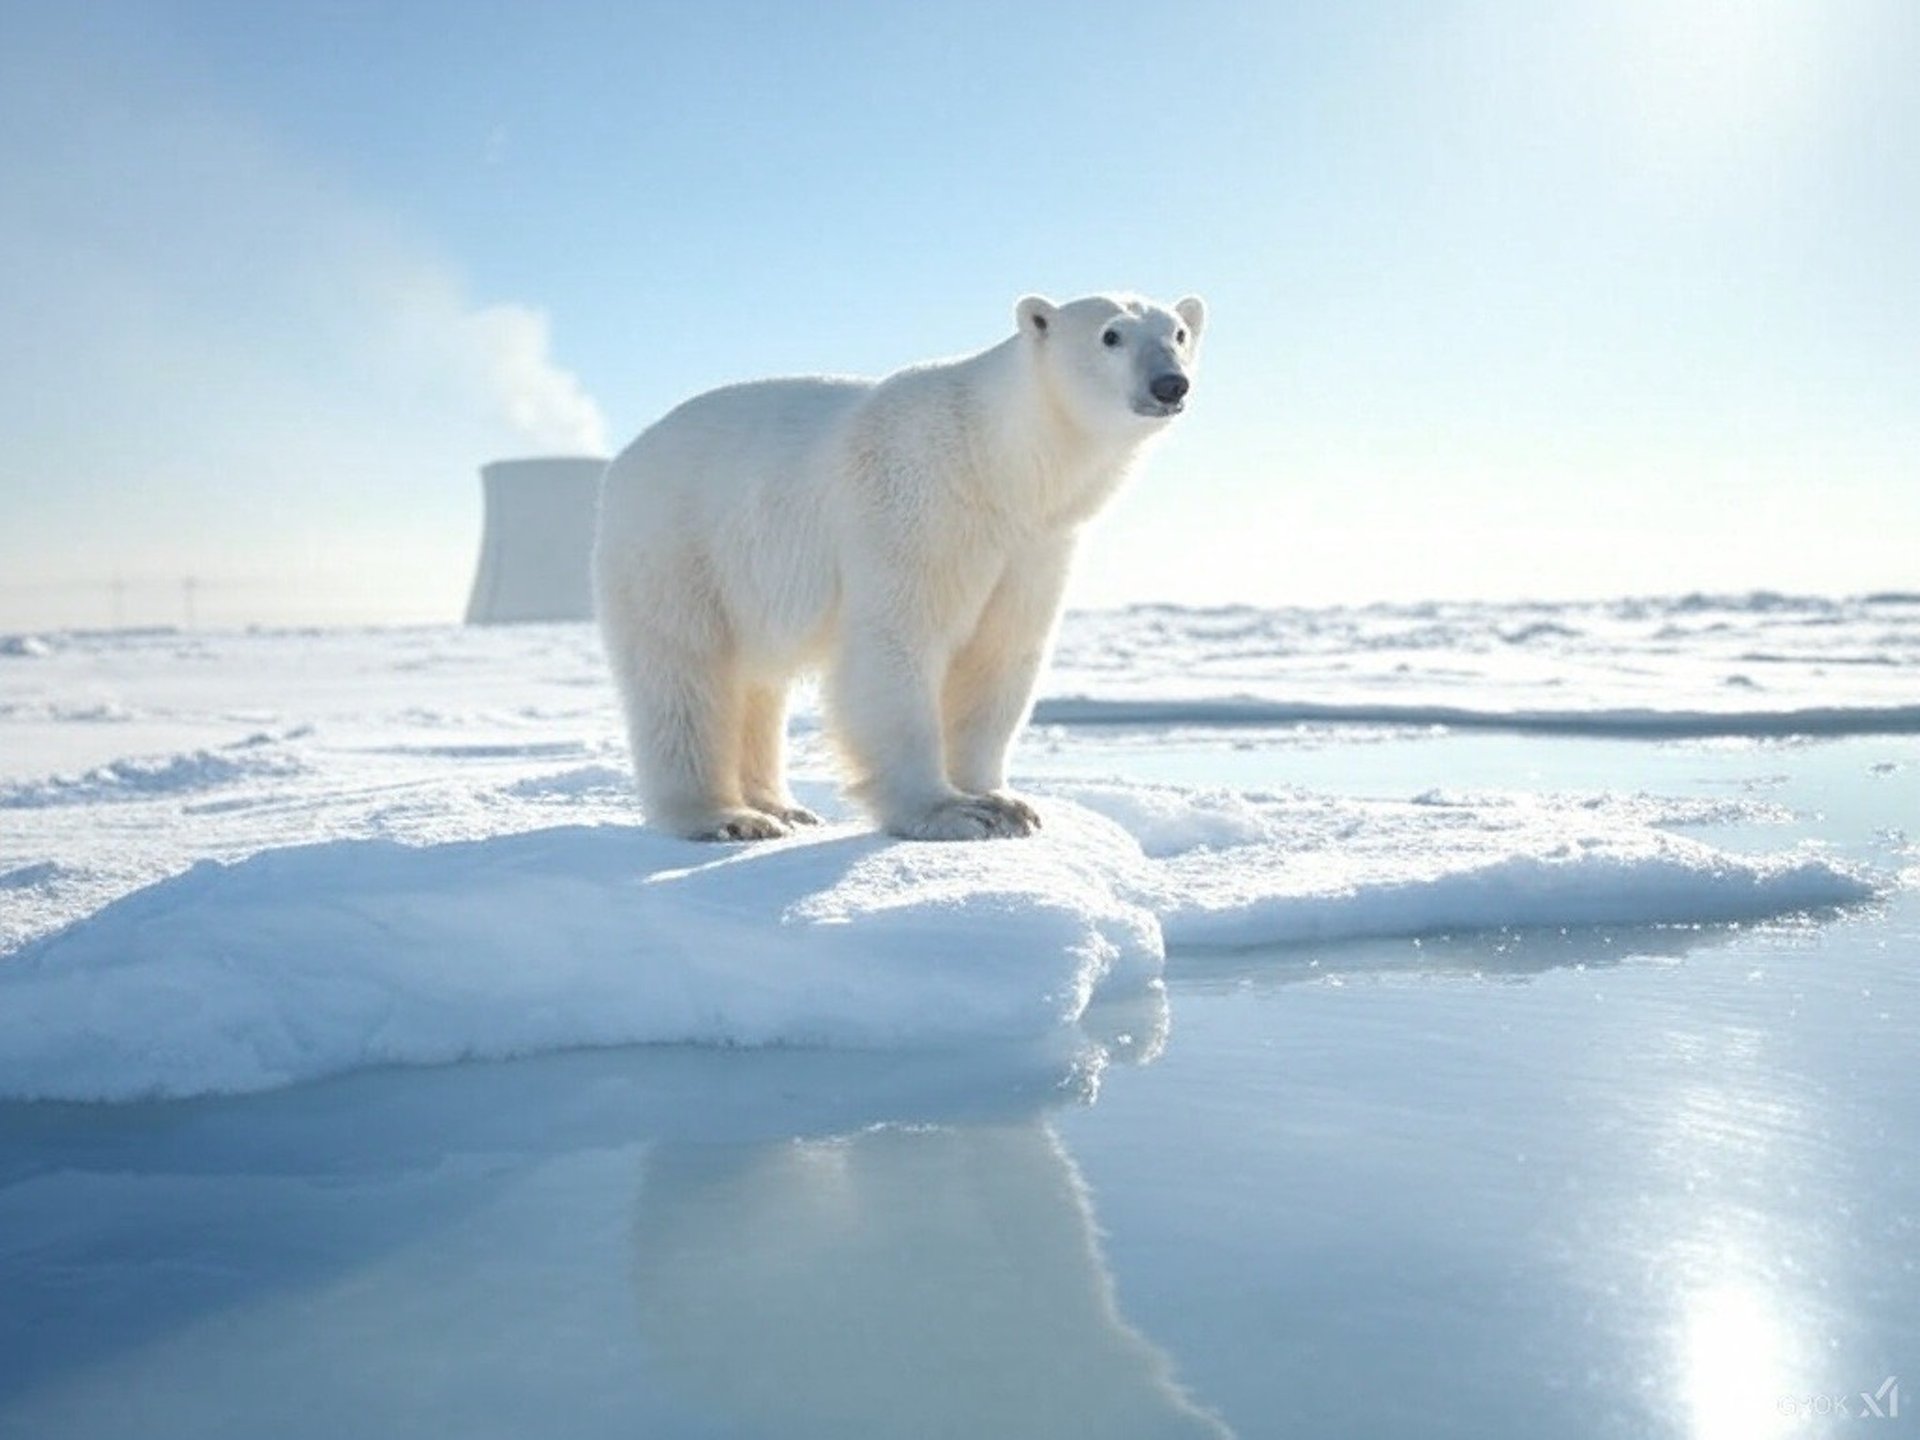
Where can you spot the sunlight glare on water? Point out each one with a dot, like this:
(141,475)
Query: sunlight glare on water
(1733,1345)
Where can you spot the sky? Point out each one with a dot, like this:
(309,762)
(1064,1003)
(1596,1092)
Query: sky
(1507,298)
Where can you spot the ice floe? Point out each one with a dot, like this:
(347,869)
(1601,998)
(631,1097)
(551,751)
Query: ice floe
(307,961)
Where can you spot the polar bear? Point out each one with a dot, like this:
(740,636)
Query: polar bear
(911,536)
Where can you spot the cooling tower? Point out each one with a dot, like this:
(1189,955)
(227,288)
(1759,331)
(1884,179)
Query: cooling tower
(538,540)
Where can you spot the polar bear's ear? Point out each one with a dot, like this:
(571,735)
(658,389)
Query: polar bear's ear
(1193,310)
(1034,315)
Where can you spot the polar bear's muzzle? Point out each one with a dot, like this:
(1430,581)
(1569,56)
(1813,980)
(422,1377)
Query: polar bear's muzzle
(1166,396)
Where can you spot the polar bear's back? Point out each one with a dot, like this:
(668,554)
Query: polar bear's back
(731,482)
(740,434)
(742,455)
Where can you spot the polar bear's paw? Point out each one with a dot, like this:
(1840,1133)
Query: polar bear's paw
(786,812)
(740,824)
(1015,805)
(970,817)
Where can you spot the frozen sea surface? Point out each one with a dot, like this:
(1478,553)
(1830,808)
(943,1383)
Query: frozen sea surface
(1760,664)
(1324,1069)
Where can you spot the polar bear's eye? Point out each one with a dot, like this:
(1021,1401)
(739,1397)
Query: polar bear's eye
(1110,339)
(1179,337)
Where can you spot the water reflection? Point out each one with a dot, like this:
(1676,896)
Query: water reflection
(664,1243)
(926,1282)
(1497,955)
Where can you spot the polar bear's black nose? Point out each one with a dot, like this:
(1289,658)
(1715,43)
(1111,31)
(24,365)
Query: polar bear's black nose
(1169,388)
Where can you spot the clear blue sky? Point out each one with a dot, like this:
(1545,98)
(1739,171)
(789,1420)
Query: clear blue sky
(1507,299)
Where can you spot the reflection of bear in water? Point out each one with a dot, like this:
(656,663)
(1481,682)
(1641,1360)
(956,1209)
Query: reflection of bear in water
(912,535)
(897,1282)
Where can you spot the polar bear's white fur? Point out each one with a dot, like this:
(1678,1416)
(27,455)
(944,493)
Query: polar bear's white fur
(911,535)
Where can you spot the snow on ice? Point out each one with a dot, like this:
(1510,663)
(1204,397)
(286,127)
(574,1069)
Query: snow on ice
(308,961)
(297,854)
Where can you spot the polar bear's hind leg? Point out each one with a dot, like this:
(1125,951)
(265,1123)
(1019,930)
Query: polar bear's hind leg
(686,722)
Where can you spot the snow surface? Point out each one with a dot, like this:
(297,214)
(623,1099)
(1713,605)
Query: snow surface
(1245,870)
(1759,664)
(232,862)
(308,961)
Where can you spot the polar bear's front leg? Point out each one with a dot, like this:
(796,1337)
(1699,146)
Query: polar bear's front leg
(885,692)
(989,689)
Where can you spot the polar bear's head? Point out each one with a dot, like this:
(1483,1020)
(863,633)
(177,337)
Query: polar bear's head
(1115,361)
